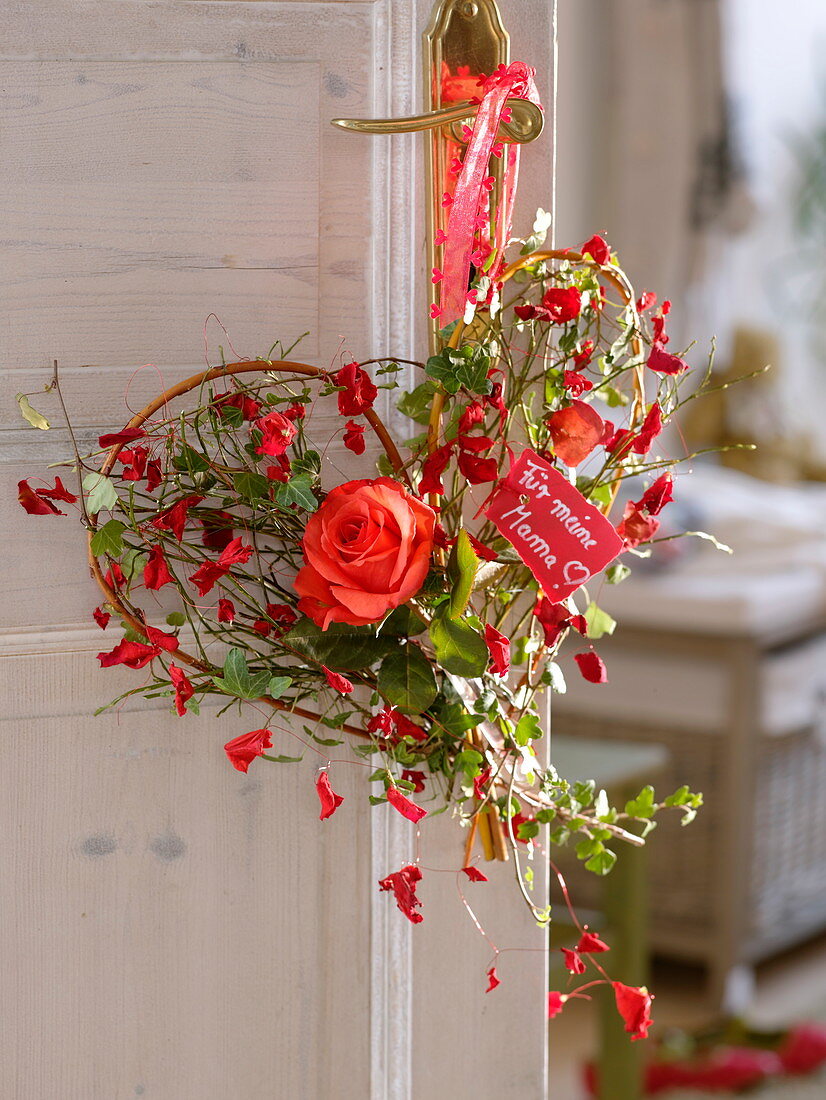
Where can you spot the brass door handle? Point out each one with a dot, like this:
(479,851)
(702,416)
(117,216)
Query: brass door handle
(525,123)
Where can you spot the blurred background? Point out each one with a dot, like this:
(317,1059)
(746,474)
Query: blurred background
(694,141)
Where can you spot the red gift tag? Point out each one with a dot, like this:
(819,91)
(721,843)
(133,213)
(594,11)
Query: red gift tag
(561,538)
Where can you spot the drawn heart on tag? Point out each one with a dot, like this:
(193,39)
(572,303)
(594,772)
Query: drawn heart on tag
(575,573)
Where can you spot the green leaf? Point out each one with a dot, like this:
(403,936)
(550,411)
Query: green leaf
(616,574)
(132,563)
(108,539)
(251,485)
(527,729)
(340,647)
(406,679)
(236,678)
(403,623)
(416,404)
(642,805)
(681,797)
(36,419)
(277,686)
(461,571)
(283,759)
(469,761)
(459,649)
(602,862)
(467,366)
(100,492)
(190,460)
(298,490)
(176,618)
(598,622)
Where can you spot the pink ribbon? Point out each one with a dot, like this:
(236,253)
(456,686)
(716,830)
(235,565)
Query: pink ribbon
(468,227)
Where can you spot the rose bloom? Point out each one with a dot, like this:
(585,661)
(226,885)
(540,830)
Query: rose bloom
(367,551)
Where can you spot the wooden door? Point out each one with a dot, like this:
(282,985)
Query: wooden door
(171,928)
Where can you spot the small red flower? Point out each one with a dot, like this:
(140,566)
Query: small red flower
(433,468)
(651,428)
(59,492)
(218,532)
(663,362)
(477,470)
(244,749)
(474,874)
(562,304)
(205,577)
(634,1005)
(575,383)
(128,435)
(416,778)
(404,806)
(583,357)
(493,980)
(156,572)
(281,471)
(277,433)
(403,884)
(656,496)
(101,617)
(161,639)
(804,1048)
(556,1002)
(330,801)
(479,783)
(499,649)
(591,944)
(337,681)
(226,611)
(34,503)
(134,463)
(247,405)
(153,474)
(597,248)
(358,391)
(636,527)
(354,437)
(526,312)
(573,961)
(555,619)
(575,430)
(592,667)
(646,301)
(173,518)
(131,654)
(183,688)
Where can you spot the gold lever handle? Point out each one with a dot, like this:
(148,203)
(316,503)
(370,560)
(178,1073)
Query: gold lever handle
(525,124)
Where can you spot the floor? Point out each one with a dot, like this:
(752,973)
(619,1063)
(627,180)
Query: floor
(789,988)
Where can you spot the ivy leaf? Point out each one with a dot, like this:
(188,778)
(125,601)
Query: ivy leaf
(643,805)
(32,416)
(236,678)
(459,649)
(527,729)
(251,485)
(602,862)
(108,539)
(100,492)
(277,686)
(461,571)
(416,404)
(598,622)
(176,618)
(189,460)
(406,679)
(341,648)
(467,366)
(298,490)
(616,574)
(132,563)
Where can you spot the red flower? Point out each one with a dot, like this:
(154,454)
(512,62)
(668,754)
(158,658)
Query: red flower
(562,304)
(207,574)
(473,414)
(403,885)
(277,434)
(556,1002)
(330,801)
(281,471)
(161,639)
(656,496)
(598,249)
(573,961)
(218,531)
(262,627)
(404,806)
(395,725)
(156,572)
(804,1048)
(663,362)
(575,431)
(477,470)
(526,312)
(493,981)
(354,437)
(131,654)
(591,944)
(183,688)
(173,518)
(474,874)
(555,619)
(636,527)
(101,617)
(244,749)
(153,475)
(499,649)
(583,357)
(358,393)
(226,611)
(34,503)
(479,784)
(646,301)
(735,1069)
(576,384)
(248,406)
(619,442)
(60,492)
(634,1005)
(414,777)
(517,820)
(651,428)
(433,468)
(134,463)
(592,667)
(282,613)
(114,576)
(336,681)
(128,435)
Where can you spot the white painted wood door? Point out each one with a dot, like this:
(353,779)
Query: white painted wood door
(171,928)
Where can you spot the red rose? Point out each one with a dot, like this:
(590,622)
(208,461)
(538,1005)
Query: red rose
(367,551)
